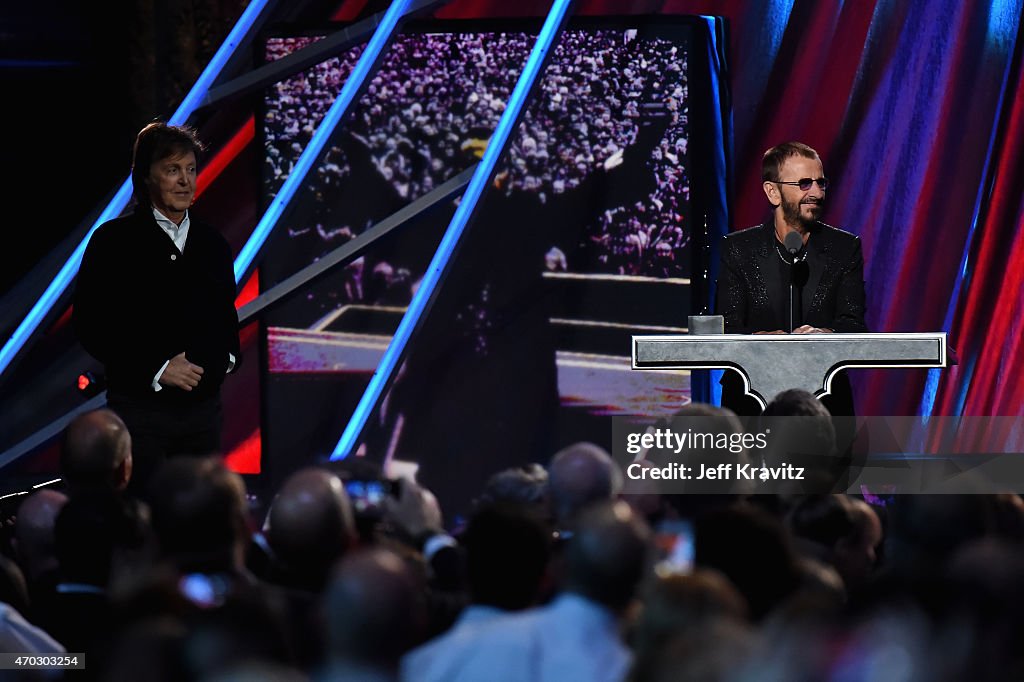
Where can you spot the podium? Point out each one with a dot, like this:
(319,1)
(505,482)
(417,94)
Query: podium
(770,364)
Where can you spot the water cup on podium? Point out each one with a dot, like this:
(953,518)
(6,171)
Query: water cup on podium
(705,324)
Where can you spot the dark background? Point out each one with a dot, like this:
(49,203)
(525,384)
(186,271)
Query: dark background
(79,80)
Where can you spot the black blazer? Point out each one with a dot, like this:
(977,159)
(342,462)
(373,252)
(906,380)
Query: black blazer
(748,281)
(139,302)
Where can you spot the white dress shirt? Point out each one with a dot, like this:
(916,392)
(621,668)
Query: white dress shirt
(572,638)
(433,660)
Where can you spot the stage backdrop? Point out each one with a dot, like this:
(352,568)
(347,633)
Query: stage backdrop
(916,109)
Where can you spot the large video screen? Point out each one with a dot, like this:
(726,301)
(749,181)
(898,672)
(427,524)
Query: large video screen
(432,106)
(585,236)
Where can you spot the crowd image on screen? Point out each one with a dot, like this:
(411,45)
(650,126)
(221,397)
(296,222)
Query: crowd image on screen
(554,575)
(430,109)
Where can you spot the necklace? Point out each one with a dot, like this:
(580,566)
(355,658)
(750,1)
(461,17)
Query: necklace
(800,259)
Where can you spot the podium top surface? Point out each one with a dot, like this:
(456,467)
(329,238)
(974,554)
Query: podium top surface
(772,363)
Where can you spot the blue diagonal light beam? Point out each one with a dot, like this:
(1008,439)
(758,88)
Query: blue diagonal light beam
(349,91)
(496,146)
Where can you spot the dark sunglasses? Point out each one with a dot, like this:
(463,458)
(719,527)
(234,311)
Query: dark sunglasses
(805,183)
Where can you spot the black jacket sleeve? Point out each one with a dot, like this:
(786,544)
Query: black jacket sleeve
(850,306)
(730,295)
(100,310)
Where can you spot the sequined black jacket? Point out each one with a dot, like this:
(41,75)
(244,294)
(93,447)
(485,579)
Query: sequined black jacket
(749,279)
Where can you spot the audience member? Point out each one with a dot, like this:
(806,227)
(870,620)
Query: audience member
(34,543)
(926,530)
(525,485)
(693,499)
(97,454)
(580,475)
(506,554)
(374,613)
(753,551)
(644,495)
(244,628)
(923,533)
(681,607)
(200,516)
(96,536)
(715,653)
(413,523)
(984,608)
(856,554)
(257,671)
(309,527)
(1009,517)
(149,650)
(577,636)
(818,523)
(13,589)
(17,635)
(803,434)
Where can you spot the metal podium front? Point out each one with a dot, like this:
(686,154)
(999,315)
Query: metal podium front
(770,364)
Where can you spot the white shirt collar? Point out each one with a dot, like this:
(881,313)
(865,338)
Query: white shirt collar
(177,233)
(166,223)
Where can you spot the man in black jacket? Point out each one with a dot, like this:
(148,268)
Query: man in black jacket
(827,271)
(155,304)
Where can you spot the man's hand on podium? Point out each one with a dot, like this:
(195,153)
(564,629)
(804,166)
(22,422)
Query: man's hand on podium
(806,329)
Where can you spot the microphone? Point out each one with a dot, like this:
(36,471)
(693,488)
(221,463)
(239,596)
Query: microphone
(792,242)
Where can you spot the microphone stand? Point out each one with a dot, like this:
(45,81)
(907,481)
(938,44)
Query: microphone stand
(793,242)
(792,273)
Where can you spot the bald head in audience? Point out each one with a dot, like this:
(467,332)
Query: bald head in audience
(97,453)
(373,611)
(310,525)
(580,475)
(34,534)
(607,554)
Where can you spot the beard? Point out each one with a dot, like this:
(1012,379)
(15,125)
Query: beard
(793,215)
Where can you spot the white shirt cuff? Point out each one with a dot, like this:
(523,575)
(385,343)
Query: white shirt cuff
(231,362)
(156,380)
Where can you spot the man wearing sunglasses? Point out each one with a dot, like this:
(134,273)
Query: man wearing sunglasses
(815,286)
